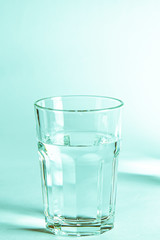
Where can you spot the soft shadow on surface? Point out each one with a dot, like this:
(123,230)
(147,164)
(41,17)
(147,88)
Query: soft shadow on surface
(42,230)
(16,227)
(30,229)
(148,179)
(15,216)
(19,208)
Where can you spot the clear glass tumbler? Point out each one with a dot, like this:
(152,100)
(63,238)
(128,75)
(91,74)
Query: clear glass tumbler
(78,145)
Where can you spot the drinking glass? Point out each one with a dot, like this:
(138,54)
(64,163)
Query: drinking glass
(78,145)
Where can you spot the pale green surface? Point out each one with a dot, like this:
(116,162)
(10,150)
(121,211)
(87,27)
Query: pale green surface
(43,53)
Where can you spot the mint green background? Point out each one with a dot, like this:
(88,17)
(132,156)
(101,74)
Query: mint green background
(78,47)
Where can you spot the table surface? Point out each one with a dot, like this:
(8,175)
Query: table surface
(137,208)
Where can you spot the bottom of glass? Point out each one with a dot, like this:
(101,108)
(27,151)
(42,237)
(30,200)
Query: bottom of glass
(82,227)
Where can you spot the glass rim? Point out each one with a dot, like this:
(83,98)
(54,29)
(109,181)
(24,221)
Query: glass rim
(121,104)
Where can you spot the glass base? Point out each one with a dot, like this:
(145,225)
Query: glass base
(82,227)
